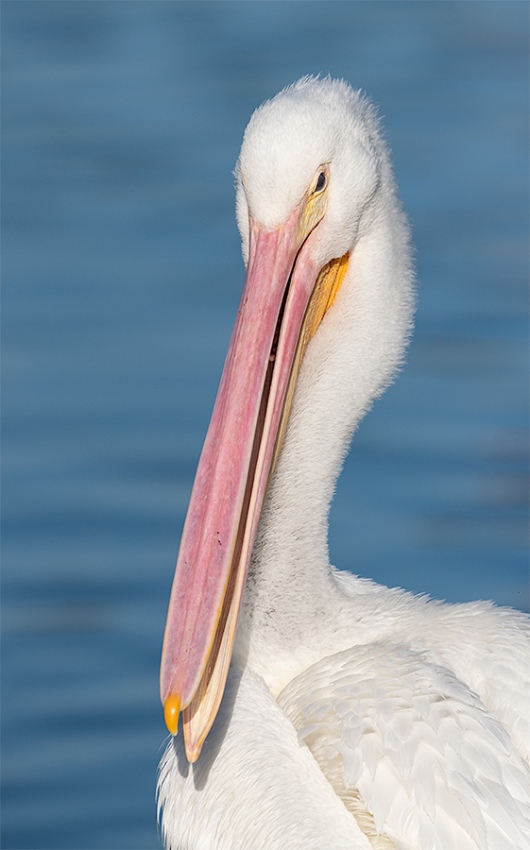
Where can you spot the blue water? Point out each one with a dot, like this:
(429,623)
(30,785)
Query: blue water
(121,276)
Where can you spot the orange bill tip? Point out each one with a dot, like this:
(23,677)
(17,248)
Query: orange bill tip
(171,713)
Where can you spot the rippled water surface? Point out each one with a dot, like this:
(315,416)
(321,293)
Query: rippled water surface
(121,125)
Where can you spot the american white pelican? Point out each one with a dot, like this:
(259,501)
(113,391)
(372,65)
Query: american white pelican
(354,716)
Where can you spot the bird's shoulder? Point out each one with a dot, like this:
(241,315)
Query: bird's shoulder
(401,735)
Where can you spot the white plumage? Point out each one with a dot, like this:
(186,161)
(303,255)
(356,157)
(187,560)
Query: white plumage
(355,716)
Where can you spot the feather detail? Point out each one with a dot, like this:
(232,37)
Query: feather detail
(433,768)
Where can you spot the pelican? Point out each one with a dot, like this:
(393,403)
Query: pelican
(319,709)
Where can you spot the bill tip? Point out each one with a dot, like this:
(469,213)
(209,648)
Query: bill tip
(171,713)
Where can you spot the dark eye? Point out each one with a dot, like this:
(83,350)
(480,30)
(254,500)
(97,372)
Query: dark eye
(321,182)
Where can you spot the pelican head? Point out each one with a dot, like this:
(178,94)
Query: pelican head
(313,186)
(313,128)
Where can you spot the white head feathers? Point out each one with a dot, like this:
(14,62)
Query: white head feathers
(309,124)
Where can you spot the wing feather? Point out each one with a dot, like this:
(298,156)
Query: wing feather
(253,786)
(432,767)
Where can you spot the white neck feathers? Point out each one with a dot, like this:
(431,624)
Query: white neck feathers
(350,361)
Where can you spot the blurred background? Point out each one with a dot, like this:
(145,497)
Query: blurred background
(121,276)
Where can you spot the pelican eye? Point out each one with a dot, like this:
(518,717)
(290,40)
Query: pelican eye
(321,182)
